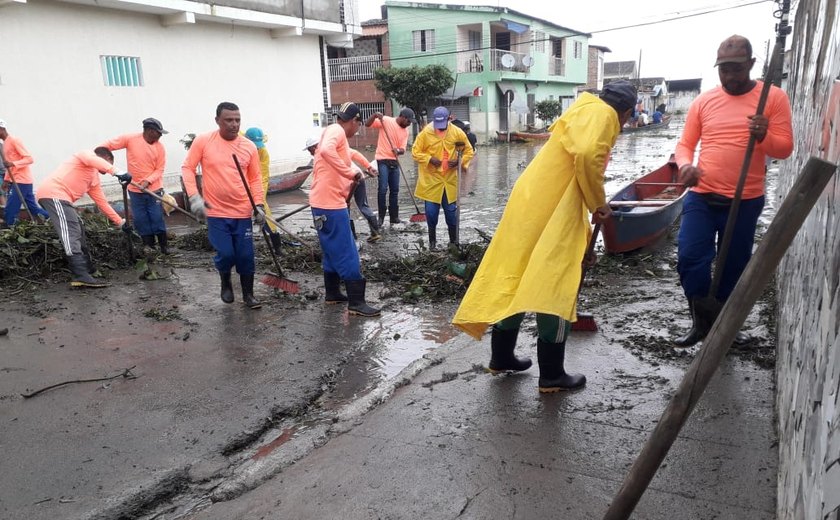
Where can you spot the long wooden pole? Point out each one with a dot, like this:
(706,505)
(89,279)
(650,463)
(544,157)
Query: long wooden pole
(792,213)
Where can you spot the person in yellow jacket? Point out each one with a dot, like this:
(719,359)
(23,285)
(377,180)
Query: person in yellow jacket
(258,137)
(437,182)
(534,262)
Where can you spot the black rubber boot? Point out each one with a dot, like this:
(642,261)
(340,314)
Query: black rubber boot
(356,297)
(432,239)
(453,234)
(332,286)
(276,241)
(148,240)
(553,377)
(81,277)
(163,242)
(227,288)
(247,282)
(382,210)
(697,332)
(394,215)
(502,344)
(92,269)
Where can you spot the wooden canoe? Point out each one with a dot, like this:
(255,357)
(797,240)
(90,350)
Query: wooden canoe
(289,181)
(644,210)
(666,120)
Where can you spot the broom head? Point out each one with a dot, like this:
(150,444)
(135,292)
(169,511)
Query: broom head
(585,322)
(418,217)
(279,282)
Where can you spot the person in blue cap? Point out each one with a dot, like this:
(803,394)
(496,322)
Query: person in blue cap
(258,137)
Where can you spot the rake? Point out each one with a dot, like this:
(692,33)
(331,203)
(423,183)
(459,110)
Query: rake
(278,281)
(419,216)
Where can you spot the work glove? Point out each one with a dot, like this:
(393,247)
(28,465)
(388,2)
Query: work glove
(259,215)
(126,227)
(124,178)
(197,206)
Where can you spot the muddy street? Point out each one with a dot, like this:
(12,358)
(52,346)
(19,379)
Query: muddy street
(291,411)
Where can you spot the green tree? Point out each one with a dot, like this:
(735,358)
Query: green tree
(414,87)
(548,110)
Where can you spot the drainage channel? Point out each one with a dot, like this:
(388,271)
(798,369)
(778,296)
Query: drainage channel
(396,348)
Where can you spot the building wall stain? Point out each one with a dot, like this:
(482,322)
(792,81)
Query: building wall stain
(808,367)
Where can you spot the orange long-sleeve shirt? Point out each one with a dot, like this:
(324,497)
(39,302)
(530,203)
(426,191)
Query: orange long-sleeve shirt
(223,190)
(77,176)
(718,121)
(397,134)
(18,155)
(332,173)
(145,161)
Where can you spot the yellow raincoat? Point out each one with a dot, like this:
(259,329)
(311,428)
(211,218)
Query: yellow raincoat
(533,263)
(265,161)
(431,180)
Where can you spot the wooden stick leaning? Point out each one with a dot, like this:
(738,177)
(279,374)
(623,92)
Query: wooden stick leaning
(164,201)
(792,213)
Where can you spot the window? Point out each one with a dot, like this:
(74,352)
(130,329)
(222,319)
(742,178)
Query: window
(578,50)
(121,71)
(475,40)
(424,40)
(538,37)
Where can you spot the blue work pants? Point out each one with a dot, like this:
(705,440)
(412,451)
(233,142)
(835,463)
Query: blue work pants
(339,253)
(148,213)
(13,204)
(389,179)
(233,240)
(433,211)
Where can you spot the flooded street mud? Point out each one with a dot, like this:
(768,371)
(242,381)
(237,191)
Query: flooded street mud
(217,390)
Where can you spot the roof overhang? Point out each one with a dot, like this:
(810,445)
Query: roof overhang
(458,92)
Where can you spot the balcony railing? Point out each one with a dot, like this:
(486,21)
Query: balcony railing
(556,66)
(354,68)
(512,61)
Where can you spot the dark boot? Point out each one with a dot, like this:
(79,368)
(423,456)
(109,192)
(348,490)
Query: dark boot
(276,241)
(356,297)
(227,288)
(375,235)
(332,285)
(453,234)
(394,214)
(382,210)
(698,330)
(163,241)
(81,277)
(247,282)
(502,344)
(92,269)
(432,239)
(148,240)
(553,377)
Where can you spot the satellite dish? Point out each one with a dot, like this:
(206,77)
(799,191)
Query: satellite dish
(527,61)
(508,61)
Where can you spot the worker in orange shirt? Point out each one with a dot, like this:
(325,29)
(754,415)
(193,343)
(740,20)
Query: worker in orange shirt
(73,179)
(333,178)
(146,158)
(227,208)
(722,120)
(16,161)
(392,141)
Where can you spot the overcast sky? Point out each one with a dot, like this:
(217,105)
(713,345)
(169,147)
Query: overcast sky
(679,49)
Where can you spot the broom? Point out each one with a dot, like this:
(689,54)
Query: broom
(417,217)
(586,321)
(278,281)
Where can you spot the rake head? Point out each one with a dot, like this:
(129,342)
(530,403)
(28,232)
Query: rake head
(279,282)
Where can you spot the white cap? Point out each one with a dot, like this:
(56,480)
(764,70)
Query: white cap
(2,123)
(312,141)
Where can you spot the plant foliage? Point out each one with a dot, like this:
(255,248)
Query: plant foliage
(414,87)
(548,110)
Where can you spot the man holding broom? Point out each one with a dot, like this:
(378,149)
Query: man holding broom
(228,208)
(534,262)
(392,142)
(145,157)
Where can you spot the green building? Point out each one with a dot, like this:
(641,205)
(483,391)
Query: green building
(503,61)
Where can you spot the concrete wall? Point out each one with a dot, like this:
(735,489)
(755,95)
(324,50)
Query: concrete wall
(808,365)
(53,96)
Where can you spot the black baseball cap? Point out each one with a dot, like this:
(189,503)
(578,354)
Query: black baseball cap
(349,111)
(154,124)
(407,113)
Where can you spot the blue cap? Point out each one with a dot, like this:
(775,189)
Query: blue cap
(256,135)
(441,118)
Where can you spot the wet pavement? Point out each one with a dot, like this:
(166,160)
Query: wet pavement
(364,418)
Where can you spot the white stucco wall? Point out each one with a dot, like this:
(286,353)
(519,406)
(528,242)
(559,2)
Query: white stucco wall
(53,97)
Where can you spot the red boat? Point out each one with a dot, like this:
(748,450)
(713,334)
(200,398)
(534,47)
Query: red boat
(644,210)
(289,181)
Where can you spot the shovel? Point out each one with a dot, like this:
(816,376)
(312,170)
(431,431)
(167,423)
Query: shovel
(277,281)
(419,216)
(128,236)
(708,307)
(164,201)
(586,321)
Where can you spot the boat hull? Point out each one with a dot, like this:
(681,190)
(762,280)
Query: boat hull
(636,224)
(657,126)
(288,181)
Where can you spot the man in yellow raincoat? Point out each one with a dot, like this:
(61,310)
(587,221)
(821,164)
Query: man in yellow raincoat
(436,152)
(534,262)
(258,137)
